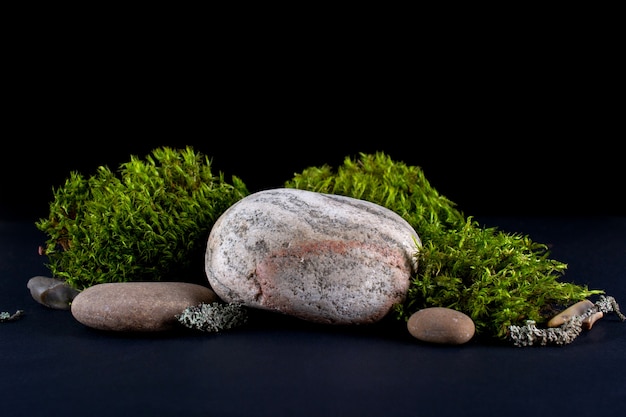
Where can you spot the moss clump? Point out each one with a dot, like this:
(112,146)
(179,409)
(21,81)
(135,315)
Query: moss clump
(499,279)
(147,222)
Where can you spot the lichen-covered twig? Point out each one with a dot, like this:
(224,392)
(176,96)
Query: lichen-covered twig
(530,334)
(213,317)
(4,316)
(609,305)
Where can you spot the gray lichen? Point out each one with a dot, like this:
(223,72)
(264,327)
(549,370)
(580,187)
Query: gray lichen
(4,316)
(214,317)
(530,334)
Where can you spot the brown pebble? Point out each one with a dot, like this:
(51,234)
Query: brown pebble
(577,309)
(137,306)
(441,325)
(589,321)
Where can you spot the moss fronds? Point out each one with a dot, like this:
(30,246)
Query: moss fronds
(146,222)
(497,278)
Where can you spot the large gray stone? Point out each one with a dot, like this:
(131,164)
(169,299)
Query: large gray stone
(320,257)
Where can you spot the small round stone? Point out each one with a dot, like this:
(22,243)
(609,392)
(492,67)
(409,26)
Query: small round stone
(51,292)
(137,306)
(441,325)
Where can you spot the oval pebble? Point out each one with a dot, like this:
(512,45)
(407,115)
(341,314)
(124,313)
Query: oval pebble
(137,306)
(441,325)
(577,309)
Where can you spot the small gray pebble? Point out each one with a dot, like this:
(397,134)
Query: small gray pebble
(51,292)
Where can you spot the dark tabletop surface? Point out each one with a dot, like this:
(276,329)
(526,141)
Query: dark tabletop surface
(277,366)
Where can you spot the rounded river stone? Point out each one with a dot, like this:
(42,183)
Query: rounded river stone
(51,292)
(137,306)
(441,325)
(319,257)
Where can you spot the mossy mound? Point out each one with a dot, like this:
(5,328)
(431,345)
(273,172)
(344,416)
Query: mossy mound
(147,222)
(498,279)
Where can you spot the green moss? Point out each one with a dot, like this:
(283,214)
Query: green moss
(147,222)
(499,279)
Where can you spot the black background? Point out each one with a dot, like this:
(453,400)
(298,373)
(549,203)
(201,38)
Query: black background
(504,119)
(517,167)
